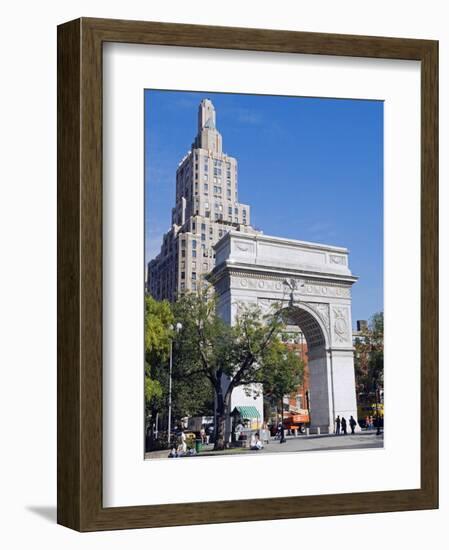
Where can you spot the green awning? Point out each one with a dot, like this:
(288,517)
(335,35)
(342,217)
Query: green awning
(247,412)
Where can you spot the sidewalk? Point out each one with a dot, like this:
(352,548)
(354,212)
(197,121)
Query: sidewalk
(300,443)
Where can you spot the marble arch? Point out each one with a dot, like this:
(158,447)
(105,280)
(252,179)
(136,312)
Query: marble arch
(313,283)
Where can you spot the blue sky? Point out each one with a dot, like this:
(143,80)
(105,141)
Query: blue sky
(310,168)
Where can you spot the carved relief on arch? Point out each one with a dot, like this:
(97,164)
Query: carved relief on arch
(341,329)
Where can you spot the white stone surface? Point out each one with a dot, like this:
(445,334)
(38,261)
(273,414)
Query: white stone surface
(262,269)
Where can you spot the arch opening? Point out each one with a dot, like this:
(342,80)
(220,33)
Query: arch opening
(320,401)
(308,324)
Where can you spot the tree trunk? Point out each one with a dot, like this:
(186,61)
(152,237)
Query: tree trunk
(223,403)
(282,440)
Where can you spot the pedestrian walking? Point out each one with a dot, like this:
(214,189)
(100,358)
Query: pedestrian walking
(337,425)
(353,424)
(367,423)
(343,425)
(238,431)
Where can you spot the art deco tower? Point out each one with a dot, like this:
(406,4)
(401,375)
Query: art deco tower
(206,208)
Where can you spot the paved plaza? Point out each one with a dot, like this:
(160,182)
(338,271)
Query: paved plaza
(301,443)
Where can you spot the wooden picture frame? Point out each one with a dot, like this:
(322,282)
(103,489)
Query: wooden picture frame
(80,504)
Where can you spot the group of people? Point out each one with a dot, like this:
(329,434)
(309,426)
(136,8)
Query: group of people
(341,425)
(181,448)
(204,435)
(369,423)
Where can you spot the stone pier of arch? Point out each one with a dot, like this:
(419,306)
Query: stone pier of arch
(260,269)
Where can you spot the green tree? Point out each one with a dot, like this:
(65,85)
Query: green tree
(369,357)
(158,321)
(226,356)
(283,372)
(191,394)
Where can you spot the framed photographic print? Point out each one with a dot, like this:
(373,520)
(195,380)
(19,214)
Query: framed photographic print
(247,288)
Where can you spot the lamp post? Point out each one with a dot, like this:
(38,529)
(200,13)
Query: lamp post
(178,329)
(292,284)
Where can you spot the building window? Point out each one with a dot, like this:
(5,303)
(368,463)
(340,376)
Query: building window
(206,187)
(236,220)
(229,193)
(183,253)
(193,253)
(193,243)
(236,211)
(230,210)
(193,286)
(211,230)
(183,274)
(203,236)
(205,266)
(193,275)
(203,225)
(193,265)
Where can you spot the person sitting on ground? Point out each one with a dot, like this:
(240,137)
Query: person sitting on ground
(182,444)
(256,443)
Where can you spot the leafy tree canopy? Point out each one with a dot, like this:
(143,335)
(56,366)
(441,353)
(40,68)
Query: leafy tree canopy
(282,373)
(369,356)
(231,356)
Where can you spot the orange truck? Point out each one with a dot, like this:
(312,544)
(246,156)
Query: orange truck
(297,421)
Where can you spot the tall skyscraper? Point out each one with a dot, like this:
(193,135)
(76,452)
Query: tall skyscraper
(206,208)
